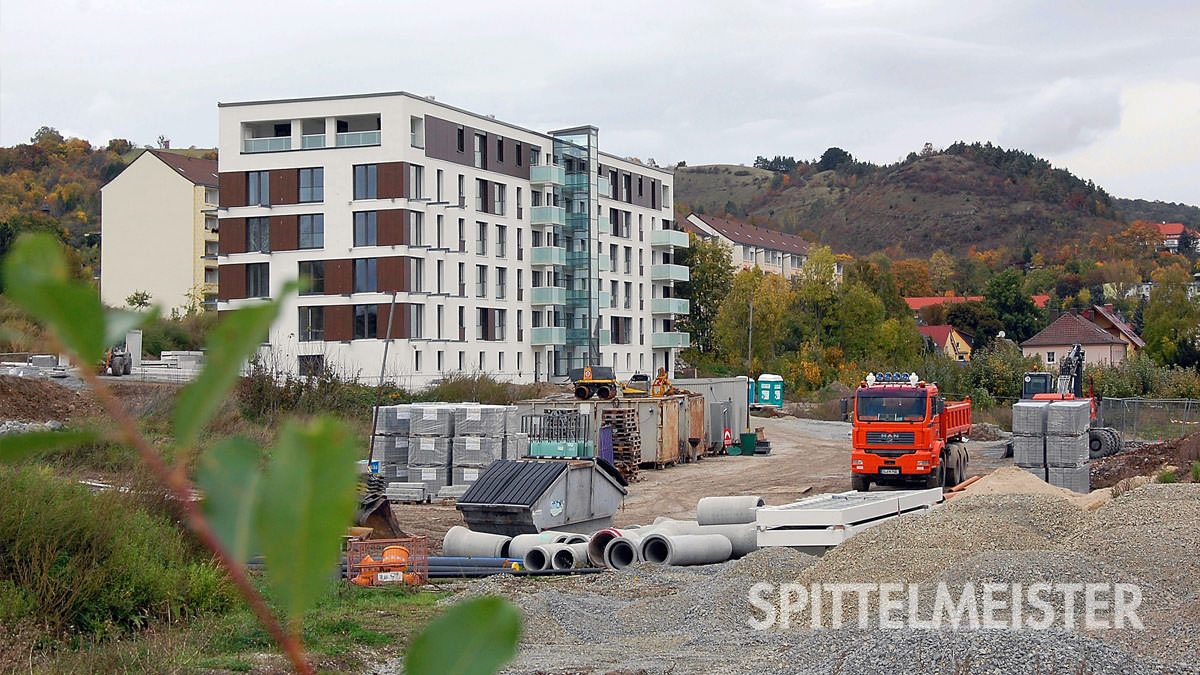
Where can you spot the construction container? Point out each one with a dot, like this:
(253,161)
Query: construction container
(726,404)
(527,496)
(696,428)
(770,390)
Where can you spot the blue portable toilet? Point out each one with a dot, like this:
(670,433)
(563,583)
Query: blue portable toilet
(770,390)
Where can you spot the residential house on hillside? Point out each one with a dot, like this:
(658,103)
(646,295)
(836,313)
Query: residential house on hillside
(158,228)
(1110,320)
(1071,328)
(950,341)
(772,251)
(1173,232)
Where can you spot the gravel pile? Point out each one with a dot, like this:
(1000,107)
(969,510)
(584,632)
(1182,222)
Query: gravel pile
(15,427)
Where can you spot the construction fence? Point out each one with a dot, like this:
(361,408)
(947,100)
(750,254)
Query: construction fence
(1150,420)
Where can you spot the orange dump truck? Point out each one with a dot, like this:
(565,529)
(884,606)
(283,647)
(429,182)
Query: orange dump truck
(905,432)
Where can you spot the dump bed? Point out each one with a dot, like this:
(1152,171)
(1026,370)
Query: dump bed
(956,420)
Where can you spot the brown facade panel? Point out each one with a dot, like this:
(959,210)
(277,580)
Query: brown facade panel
(232,188)
(339,276)
(392,275)
(392,227)
(401,318)
(390,180)
(441,142)
(339,322)
(231,236)
(285,233)
(231,282)
(285,186)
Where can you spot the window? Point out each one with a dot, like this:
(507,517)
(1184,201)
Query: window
(462,235)
(440,267)
(365,229)
(440,222)
(666,195)
(481,194)
(1049,357)
(366,321)
(462,279)
(628,260)
(498,199)
(520,334)
(258,190)
(533,156)
(639,186)
(520,284)
(312,277)
(481,241)
(210,275)
(417,361)
(365,276)
(520,251)
(462,190)
(258,281)
(480,151)
(312,230)
(312,324)
(258,235)
(416,273)
(501,240)
(416,228)
(416,131)
(311,365)
(518,154)
(500,150)
(628,295)
(416,181)
(366,181)
(461,139)
(416,322)
(439,185)
(481,281)
(520,209)
(312,185)
(501,282)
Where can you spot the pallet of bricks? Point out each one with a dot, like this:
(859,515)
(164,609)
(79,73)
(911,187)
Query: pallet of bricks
(390,443)
(430,446)
(1050,440)
(626,440)
(479,439)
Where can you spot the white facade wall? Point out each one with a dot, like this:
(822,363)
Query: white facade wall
(419,362)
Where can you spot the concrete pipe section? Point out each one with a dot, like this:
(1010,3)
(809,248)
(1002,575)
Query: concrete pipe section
(460,541)
(686,549)
(568,556)
(744,537)
(599,542)
(541,557)
(522,543)
(622,552)
(727,510)
(573,539)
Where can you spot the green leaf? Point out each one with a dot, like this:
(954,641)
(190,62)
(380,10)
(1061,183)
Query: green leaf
(230,477)
(474,637)
(235,339)
(37,279)
(307,501)
(14,447)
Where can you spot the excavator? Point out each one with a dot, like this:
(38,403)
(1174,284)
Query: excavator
(1068,386)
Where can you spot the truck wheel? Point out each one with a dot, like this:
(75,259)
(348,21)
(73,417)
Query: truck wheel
(1096,443)
(583,393)
(117,366)
(1117,443)
(860,482)
(604,393)
(128,365)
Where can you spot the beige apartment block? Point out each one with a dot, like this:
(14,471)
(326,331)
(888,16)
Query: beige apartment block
(159,232)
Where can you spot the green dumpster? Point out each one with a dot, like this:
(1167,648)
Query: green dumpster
(748,442)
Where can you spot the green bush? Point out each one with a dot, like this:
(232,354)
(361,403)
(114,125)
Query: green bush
(1166,476)
(95,562)
(188,333)
(1196,471)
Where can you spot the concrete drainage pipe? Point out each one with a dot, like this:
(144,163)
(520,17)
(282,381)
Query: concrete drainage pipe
(573,539)
(599,542)
(459,541)
(727,510)
(744,537)
(539,557)
(567,556)
(686,549)
(621,552)
(521,543)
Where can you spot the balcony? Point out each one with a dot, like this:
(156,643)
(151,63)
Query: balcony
(576,181)
(547,174)
(670,306)
(275,144)
(605,337)
(667,340)
(548,335)
(548,255)
(605,300)
(548,295)
(604,264)
(669,273)
(353,139)
(311,141)
(547,215)
(603,187)
(603,226)
(669,239)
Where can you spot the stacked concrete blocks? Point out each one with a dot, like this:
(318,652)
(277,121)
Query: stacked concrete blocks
(430,445)
(478,441)
(1050,440)
(390,442)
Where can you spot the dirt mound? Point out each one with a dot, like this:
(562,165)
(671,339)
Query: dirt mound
(32,399)
(1011,480)
(1146,461)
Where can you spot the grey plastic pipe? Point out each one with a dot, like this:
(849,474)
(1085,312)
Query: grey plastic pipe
(521,543)
(686,549)
(459,541)
(727,510)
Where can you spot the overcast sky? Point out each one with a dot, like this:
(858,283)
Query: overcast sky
(1109,90)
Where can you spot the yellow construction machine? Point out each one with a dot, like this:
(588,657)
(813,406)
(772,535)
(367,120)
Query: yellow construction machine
(601,382)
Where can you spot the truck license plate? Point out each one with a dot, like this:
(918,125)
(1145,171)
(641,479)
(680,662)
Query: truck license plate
(889,472)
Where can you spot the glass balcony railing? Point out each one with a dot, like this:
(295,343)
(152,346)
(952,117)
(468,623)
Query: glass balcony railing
(670,306)
(547,215)
(312,141)
(669,273)
(663,340)
(276,144)
(603,187)
(548,255)
(605,337)
(604,263)
(548,295)
(603,226)
(356,138)
(605,300)
(669,239)
(548,335)
(576,181)
(547,174)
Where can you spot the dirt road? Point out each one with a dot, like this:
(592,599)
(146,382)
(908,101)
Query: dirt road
(807,457)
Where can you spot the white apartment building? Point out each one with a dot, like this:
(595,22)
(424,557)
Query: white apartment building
(487,247)
(772,251)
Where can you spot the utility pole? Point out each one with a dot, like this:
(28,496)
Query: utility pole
(749,361)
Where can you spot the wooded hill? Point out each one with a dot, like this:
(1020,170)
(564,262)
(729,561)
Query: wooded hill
(968,195)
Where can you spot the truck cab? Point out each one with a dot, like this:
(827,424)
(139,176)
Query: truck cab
(905,432)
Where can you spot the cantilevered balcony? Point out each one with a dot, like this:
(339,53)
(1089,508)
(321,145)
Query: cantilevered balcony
(669,273)
(547,174)
(670,306)
(669,239)
(548,335)
(664,340)
(548,295)
(547,215)
(548,255)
